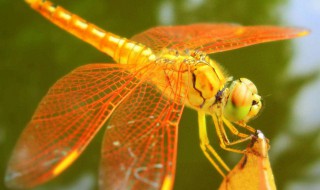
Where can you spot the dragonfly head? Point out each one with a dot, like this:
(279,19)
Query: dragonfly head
(243,102)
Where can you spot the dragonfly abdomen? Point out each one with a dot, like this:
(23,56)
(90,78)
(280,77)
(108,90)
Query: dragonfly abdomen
(70,22)
(120,49)
(125,51)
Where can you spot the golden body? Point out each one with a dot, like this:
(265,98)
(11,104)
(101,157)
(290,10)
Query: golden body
(157,73)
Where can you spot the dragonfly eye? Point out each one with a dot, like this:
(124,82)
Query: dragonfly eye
(249,85)
(243,102)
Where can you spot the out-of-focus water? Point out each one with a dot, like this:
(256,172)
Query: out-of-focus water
(34,54)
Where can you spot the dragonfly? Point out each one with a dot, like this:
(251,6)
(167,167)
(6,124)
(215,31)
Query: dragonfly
(157,74)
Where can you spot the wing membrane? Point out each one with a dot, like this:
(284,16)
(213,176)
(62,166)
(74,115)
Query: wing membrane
(212,38)
(66,120)
(140,143)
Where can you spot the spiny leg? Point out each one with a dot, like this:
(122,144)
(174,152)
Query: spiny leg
(234,130)
(224,141)
(244,125)
(207,149)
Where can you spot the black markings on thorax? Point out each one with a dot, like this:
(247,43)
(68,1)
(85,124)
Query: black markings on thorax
(194,86)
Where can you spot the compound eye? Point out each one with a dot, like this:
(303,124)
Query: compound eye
(241,96)
(249,84)
(243,102)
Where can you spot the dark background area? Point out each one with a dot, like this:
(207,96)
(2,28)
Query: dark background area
(34,54)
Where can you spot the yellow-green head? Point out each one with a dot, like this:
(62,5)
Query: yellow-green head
(243,102)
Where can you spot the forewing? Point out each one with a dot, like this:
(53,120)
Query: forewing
(212,38)
(66,120)
(140,143)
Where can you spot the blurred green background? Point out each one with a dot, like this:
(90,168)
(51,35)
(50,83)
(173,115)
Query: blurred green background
(34,54)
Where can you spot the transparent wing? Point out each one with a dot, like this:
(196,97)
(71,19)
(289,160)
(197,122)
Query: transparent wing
(212,38)
(140,143)
(66,120)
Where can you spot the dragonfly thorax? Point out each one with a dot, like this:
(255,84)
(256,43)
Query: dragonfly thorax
(187,57)
(206,78)
(206,85)
(201,77)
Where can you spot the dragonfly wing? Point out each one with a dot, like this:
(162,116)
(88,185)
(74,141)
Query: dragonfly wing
(66,120)
(212,38)
(140,143)
(177,37)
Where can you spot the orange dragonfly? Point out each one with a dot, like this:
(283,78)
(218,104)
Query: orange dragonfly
(158,73)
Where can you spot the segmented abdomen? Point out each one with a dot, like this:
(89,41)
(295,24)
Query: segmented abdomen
(122,50)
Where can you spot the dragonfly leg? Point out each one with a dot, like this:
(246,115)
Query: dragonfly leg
(244,125)
(207,149)
(234,130)
(224,141)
